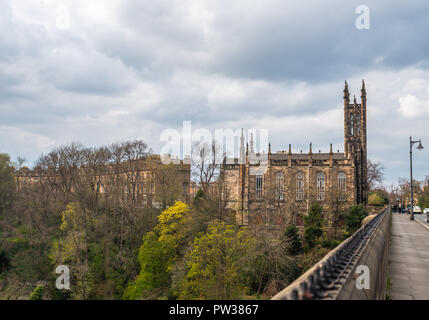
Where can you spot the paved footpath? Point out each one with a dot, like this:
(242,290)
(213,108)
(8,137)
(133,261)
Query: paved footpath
(409,259)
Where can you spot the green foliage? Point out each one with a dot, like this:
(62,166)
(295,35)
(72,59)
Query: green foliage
(37,293)
(293,239)
(7,183)
(424,198)
(313,224)
(376,199)
(198,197)
(214,264)
(329,243)
(354,217)
(159,251)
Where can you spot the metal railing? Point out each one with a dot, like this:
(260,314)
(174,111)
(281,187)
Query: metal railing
(326,278)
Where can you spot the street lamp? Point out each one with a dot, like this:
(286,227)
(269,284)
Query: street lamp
(419,147)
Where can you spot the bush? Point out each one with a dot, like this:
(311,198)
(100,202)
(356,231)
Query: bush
(375,199)
(313,223)
(354,217)
(37,293)
(294,243)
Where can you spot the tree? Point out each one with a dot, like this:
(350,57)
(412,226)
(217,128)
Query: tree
(376,199)
(214,264)
(72,248)
(206,161)
(7,188)
(294,243)
(375,174)
(313,224)
(354,217)
(158,253)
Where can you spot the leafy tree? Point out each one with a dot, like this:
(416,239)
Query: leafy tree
(354,217)
(375,199)
(294,243)
(214,264)
(7,186)
(313,224)
(159,251)
(72,248)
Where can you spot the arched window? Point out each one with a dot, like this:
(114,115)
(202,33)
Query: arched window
(342,186)
(279,186)
(259,185)
(320,186)
(357,124)
(300,186)
(352,120)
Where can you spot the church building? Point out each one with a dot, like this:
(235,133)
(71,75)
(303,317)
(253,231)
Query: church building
(278,187)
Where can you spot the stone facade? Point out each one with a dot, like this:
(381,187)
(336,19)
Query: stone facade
(274,187)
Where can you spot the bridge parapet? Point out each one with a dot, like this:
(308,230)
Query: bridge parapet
(334,277)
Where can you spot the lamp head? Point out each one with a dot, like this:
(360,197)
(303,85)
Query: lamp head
(420,147)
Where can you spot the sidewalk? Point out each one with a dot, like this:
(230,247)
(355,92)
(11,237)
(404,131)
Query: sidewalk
(408,259)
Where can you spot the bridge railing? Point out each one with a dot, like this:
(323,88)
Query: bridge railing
(334,277)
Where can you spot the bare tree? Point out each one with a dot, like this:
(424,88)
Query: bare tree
(206,161)
(375,174)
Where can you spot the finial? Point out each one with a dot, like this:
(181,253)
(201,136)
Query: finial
(346,90)
(330,150)
(251,143)
(354,99)
(290,148)
(247,148)
(311,148)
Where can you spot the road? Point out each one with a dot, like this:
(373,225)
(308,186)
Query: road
(422,218)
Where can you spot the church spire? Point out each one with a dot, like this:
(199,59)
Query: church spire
(346,90)
(251,143)
(242,152)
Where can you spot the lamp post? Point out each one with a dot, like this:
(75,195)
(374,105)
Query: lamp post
(419,147)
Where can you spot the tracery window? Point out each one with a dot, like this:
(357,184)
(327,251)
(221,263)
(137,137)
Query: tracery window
(320,186)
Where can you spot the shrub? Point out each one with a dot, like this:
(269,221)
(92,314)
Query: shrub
(354,218)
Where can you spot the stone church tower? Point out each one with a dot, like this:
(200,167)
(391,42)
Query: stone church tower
(355,140)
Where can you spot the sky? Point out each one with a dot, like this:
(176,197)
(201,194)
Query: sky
(99,72)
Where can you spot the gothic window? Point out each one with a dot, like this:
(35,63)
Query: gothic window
(259,184)
(279,186)
(342,186)
(300,186)
(357,124)
(320,186)
(351,123)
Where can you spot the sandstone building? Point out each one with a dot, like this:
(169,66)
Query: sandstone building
(274,187)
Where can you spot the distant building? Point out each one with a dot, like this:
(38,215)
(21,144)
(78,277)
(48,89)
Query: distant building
(287,182)
(147,181)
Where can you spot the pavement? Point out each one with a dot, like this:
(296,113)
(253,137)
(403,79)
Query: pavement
(409,258)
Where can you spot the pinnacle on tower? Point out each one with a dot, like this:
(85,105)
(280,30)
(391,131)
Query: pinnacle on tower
(311,148)
(251,143)
(346,90)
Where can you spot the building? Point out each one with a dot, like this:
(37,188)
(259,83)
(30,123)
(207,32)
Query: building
(144,182)
(274,187)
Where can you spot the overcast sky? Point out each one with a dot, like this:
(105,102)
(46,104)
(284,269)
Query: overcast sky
(104,71)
